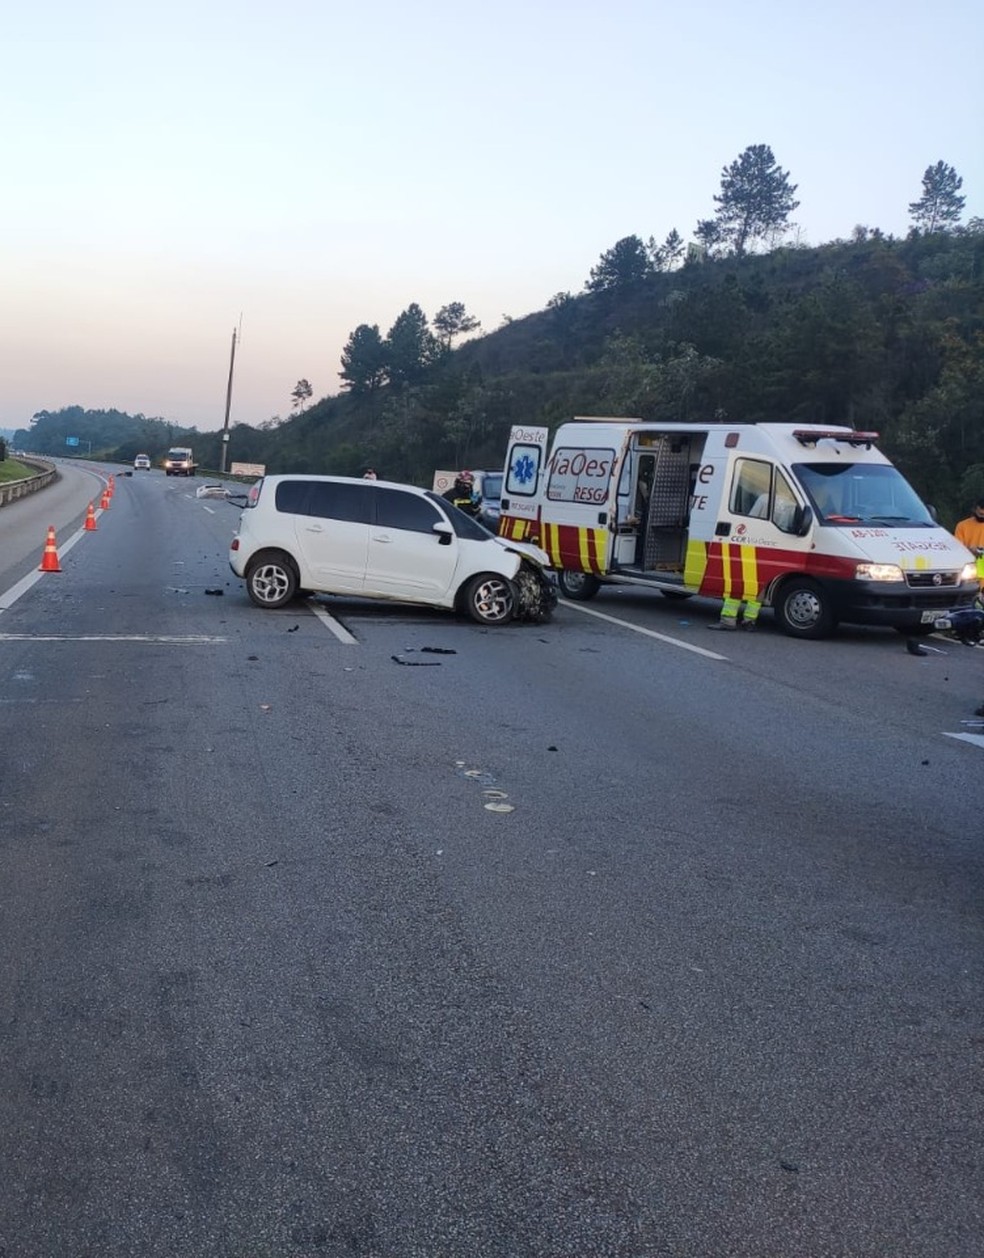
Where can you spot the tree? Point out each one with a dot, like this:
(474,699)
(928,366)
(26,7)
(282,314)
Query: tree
(664,257)
(453,320)
(940,206)
(756,198)
(621,266)
(710,237)
(364,360)
(302,393)
(410,346)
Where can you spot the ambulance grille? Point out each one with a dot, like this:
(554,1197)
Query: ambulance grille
(931,580)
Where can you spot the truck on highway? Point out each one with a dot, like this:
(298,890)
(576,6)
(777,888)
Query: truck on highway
(811,520)
(179,461)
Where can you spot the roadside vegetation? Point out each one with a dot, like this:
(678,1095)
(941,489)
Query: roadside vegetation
(11,470)
(743,324)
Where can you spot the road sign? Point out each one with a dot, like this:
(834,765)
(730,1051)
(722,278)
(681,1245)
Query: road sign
(71,441)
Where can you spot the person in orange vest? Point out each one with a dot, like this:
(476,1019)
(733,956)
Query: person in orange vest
(970,532)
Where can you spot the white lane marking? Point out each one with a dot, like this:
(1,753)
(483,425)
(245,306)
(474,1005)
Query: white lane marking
(649,633)
(210,510)
(976,739)
(9,597)
(191,639)
(329,622)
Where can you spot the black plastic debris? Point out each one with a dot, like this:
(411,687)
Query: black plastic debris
(252,657)
(439,650)
(293,629)
(913,647)
(398,659)
(219,592)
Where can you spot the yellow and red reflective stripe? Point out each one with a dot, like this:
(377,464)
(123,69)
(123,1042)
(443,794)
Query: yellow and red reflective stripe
(695,565)
(749,572)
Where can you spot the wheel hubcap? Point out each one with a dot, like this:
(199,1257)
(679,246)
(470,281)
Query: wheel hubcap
(804,609)
(493,600)
(270,583)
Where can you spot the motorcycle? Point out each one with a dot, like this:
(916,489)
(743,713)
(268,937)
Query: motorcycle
(964,624)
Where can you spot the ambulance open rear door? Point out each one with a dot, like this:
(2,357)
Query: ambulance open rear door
(523,477)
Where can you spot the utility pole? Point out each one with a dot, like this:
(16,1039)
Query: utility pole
(225,426)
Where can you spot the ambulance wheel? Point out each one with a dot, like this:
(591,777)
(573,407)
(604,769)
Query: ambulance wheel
(579,586)
(804,610)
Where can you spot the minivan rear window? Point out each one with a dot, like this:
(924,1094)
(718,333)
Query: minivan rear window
(292,496)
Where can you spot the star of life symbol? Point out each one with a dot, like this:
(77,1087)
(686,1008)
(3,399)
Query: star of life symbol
(524,469)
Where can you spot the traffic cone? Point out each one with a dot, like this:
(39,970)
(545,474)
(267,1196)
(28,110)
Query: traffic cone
(104,500)
(90,518)
(49,560)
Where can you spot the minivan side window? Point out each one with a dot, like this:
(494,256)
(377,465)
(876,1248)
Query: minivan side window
(398,510)
(335,500)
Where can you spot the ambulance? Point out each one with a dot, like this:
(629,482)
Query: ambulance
(811,520)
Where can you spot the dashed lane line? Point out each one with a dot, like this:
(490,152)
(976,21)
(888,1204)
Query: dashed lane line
(331,624)
(977,740)
(191,639)
(649,633)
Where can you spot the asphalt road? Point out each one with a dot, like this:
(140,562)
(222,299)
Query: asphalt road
(276,981)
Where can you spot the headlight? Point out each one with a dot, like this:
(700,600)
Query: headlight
(878,572)
(968,572)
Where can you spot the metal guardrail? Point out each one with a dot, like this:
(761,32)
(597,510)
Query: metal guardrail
(13,489)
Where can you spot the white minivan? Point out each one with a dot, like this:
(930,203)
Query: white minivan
(376,539)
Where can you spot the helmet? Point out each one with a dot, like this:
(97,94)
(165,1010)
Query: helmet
(465,478)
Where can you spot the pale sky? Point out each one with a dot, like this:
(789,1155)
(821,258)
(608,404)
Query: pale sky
(311,165)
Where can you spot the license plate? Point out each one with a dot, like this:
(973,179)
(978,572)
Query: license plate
(930,618)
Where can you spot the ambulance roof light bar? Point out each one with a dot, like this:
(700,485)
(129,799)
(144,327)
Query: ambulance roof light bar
(810,436)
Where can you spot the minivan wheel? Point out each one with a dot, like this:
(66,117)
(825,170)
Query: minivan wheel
(489,599)
(271,581)
(579,586)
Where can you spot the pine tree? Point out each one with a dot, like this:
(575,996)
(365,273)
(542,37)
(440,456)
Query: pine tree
(756,198)
(940,206)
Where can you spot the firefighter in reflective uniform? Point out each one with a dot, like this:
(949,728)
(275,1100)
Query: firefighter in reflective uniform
(732,616)
(462,494)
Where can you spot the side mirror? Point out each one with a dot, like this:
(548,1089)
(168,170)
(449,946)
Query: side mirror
(444,532)
(802,521)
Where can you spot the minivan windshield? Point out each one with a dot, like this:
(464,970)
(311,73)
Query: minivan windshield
(862,493)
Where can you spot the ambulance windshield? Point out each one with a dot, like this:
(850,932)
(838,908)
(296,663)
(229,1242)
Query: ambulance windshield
(873,494)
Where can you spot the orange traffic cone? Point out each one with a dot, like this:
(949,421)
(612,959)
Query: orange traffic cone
(49,560)
(90,518)
(104,500)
